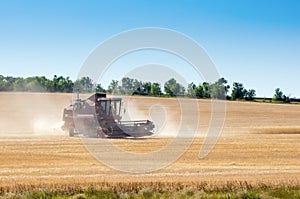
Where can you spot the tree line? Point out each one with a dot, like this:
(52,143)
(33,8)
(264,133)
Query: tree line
(128,86)
(43,84)
(216,90)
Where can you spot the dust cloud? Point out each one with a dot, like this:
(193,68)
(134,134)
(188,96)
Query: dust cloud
(46,125)
(32,113)
(41,113)
(166,114)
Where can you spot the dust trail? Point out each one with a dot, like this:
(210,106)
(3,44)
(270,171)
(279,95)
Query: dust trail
(166,115)
(24,114)
(43,125)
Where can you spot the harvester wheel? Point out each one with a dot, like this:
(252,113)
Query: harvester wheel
(71,132)
(100,133)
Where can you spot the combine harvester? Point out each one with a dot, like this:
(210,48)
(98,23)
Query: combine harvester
(99,116)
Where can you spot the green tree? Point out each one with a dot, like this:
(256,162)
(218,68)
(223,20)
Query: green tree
(113,87)
(61,84)
(54,84)
(19,84)
(250,94)
(172,88)
(137,88)
(146,88)
(155,89)
(219,89)
(191,90)
(6,83)
(199,91)
(2,83)
(127,87)
(35,84)
(278,96)
(238,91)
(100,89)
(68,86)
(42,81)
(206,90)
(286,99)
(84,84)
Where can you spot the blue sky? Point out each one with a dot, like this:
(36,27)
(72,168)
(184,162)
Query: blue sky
(256,42)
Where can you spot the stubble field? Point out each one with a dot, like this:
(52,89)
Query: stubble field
(260,143)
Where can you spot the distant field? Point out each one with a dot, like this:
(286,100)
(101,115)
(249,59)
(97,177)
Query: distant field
(260,143)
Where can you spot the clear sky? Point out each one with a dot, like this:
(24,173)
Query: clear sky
(256,42)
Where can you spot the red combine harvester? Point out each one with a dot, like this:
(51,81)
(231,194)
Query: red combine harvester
(99,116)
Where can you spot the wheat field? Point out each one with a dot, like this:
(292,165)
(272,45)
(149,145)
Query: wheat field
(260,143)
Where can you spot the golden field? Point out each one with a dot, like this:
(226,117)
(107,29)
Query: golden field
(260,143)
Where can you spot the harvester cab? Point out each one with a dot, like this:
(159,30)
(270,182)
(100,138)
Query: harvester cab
(99,116)
(108,108)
